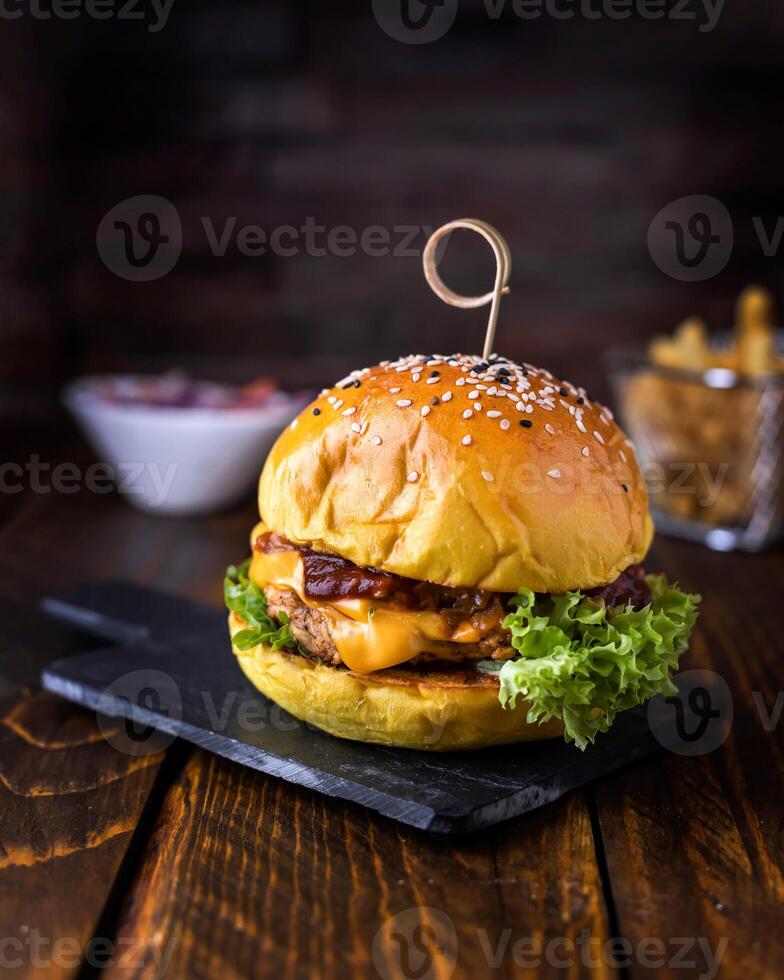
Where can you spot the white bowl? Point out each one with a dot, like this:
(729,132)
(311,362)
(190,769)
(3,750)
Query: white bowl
(173,460)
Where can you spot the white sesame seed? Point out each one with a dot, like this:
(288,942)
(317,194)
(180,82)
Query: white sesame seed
(350,411)
(505,423)
(622,454)
(363,428)
(521,406)
(447,396)
(529,409)
(579,423)
(488,476)
(598,437)
(394,391)
(550,429)
(460,382)
(432,381)
(338,404)
(467,414)
(492,390)
(356,427)
(403,402)
(473,394)
(332,399)
(494,415)
(586,451)
(416,377)
(555,474)
(425,410)
(477,406)
(466,440)
(376,440)
(413,476)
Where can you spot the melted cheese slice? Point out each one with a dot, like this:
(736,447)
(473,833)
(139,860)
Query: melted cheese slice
(367,635)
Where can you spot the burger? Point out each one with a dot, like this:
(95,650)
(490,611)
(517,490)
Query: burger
(450,557)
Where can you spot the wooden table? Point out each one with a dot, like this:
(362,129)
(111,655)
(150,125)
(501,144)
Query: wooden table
(230,873)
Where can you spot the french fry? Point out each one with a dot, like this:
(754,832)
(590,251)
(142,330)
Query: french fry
(687,350)
(756,352)
(692,341)
(754,311)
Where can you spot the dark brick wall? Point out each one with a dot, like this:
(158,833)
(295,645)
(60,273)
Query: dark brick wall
(569,135)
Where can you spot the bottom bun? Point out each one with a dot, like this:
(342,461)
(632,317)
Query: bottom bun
(436,709)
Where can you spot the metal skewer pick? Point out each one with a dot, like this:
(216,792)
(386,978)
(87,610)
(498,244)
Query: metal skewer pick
(502,273)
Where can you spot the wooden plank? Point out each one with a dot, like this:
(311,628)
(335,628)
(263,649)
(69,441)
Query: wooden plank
(69,805)
(70,802)
(248,874)
(695,845)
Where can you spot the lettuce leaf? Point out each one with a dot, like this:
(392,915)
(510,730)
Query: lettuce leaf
(247,600)
(583,662)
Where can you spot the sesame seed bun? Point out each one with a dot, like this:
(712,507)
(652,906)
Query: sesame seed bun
(436,710)
(461,472)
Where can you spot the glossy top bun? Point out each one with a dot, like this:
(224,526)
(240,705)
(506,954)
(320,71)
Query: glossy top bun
(461,472)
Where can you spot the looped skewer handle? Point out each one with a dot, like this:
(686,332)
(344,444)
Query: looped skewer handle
(503,271)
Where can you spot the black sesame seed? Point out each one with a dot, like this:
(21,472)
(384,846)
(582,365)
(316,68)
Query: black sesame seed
(562,392)
(581,400)
(524,370)
(434,374)
(434,401)
(317,411)
(357,383)
(502,370)
(625,488)
(526,423)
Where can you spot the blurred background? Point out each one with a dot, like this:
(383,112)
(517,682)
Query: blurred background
(569,135)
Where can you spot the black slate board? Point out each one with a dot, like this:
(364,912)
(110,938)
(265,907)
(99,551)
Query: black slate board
(173,671)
